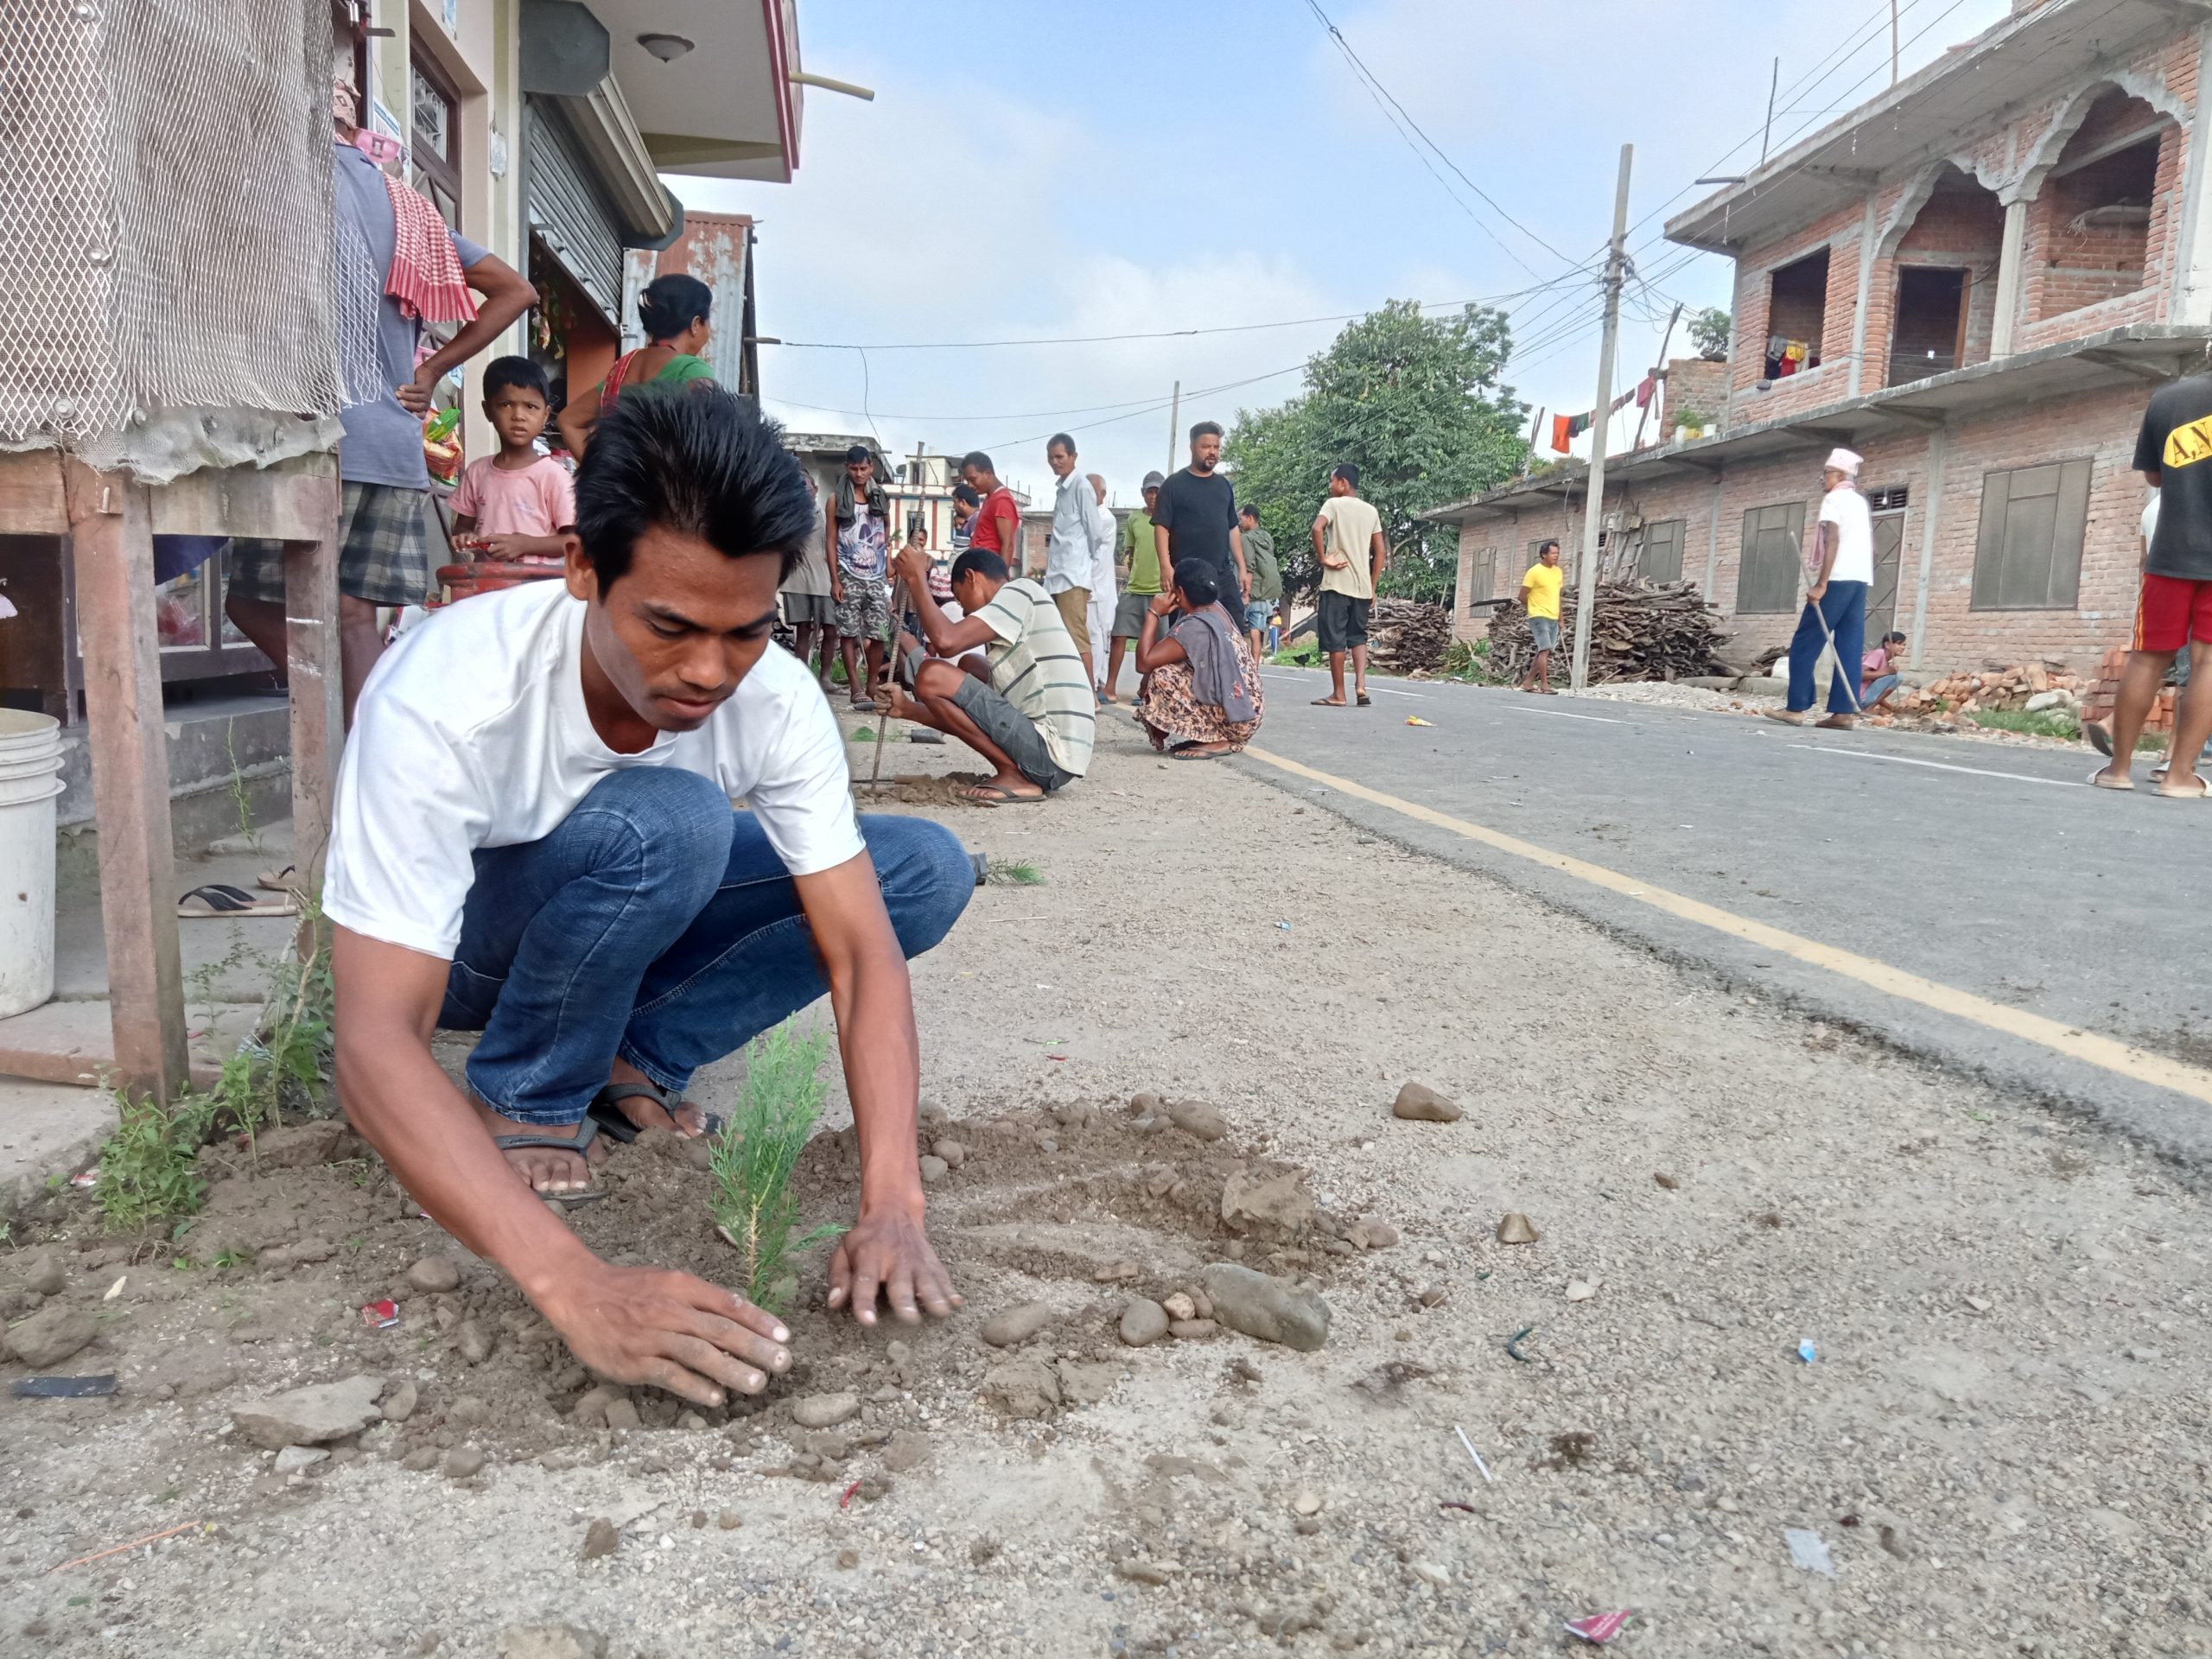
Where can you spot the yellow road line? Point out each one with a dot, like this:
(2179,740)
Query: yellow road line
(2105,1053)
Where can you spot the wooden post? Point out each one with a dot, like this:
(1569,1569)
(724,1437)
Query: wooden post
(318,692)
(111,528)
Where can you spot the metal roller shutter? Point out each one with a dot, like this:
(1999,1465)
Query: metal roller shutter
(567,211)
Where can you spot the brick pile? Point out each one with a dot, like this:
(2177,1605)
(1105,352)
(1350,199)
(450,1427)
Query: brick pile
(2028,685)
(2097,702)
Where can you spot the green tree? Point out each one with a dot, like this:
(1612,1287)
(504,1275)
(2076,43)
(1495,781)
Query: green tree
(1416,403)
(1709,332)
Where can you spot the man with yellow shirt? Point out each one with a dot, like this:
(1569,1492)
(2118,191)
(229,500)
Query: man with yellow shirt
(1539,585)
(1348,542)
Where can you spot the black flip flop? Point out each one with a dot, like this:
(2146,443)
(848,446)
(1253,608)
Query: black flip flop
(221,899)
(609,1116)
(1365,701)
(576,1143)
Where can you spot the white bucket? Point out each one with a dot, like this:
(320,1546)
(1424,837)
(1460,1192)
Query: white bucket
(31,769)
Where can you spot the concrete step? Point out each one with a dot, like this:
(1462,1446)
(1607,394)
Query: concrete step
(219,748)
(48,1130)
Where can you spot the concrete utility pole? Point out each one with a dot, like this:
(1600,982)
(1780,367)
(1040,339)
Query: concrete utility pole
(1174,426)
(1601,425)
(1893,42)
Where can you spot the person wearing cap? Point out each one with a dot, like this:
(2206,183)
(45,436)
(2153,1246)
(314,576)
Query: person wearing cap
(1138,556)
(1842,566)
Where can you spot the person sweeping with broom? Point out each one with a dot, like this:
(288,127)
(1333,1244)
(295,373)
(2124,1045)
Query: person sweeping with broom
(1841,567)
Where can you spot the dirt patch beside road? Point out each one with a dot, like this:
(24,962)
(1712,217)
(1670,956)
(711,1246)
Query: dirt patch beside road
(2001,1436)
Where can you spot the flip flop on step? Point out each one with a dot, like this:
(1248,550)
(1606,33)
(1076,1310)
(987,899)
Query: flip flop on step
(284,880)
(218,899)
(587,1133)
(604,1114)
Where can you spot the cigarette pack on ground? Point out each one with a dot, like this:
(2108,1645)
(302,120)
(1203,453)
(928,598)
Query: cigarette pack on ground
(1598,1628)
(380,1316)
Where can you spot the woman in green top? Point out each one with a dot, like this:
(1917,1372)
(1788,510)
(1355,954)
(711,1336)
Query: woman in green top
(674,310)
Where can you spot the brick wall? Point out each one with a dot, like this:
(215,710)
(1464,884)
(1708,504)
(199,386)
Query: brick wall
(1692,383)
(2101,425)
(1753,401)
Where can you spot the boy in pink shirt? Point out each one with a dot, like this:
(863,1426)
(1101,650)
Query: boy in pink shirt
(518,503)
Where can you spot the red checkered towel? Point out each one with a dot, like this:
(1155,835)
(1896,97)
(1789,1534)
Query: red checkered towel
(425,276)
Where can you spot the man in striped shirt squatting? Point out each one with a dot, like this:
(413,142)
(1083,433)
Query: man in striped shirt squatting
(1022,702)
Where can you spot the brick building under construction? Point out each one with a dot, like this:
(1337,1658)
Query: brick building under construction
(1975,279)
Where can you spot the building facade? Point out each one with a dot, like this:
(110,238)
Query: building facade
(1975,281)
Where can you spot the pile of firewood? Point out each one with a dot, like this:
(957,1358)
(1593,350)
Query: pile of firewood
(1639,632)
(1405,636)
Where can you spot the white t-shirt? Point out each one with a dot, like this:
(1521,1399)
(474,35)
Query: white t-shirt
(2149,517)
(1847,509)
(472,733)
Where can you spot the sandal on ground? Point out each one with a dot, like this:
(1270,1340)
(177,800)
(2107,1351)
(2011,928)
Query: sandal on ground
(1366,702)
(2099,780)
(219,899)
(2203,788)
(998,795)
(1198,755)
(1836,723)
(2100,736)
(1329,703)
(578,1143)
(605,1114)
(284,880)
(1788,717)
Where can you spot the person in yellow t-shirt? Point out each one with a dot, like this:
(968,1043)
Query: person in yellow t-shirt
(1540,587)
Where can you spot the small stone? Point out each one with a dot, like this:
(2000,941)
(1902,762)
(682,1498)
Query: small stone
(1305,1526)
(1893,1540)
(934,1169)
(826,1410)
(698,1519)
(1980,1304)
(1273,1205)
(1307,1503)
(590,1409)
(421,1459)
(601,1538)
(1430,1572)
(1197,1120)
(1140,1572)
(622,1413)
(51,1336)
(1580,1290)
(691,1419)
(951,1154)
(1023,1388)
(906,1448)
(1193,1330)
(1516,1229)
(1144,1103)
(729,1519)
(1272,1310)
(1422,1104)
(399,1403)
(1013,1325)
(1431,1295)
(550,1641)
(848,1559)
(309,1416)
(46,1275)
(475,1342)
(294,1458)
(1672,1182)
(1180,1307)
(1143,1322)
(433,1273)
(1377,1234)
(464,1463)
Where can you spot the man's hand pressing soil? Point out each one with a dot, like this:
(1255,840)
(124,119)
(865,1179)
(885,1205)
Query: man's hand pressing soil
(888,1254)
(670,1330)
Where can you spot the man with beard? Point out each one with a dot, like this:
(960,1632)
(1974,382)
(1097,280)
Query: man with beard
(1196,518)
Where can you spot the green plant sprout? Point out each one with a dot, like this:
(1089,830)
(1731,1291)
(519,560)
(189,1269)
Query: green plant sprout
(752,1205)
(1015,873)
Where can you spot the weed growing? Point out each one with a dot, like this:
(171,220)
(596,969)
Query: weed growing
(752,1205)
(1013,872)
(2044,722)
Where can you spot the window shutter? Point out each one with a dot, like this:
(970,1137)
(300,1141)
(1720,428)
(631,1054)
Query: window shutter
(1766,568)
(1663,551)
(2071,528)
(1989,540)
(2028,550)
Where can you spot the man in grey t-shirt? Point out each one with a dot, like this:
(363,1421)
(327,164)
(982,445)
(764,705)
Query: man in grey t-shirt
(384,555)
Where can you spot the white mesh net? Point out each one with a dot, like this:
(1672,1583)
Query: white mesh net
(165,216)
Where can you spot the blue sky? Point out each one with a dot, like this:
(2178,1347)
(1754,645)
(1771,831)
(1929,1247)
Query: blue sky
(1101,169)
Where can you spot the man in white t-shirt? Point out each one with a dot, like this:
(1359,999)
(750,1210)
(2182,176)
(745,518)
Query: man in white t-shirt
(1840,569)
(534,839)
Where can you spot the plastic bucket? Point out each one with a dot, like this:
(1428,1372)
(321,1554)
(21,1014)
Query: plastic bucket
(30,778)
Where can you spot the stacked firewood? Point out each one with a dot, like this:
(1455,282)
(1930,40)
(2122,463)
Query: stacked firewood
(1639,632)
(1405,636)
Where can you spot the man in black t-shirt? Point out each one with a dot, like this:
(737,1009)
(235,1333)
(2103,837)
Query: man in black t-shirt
(2174,613)
(1196,519)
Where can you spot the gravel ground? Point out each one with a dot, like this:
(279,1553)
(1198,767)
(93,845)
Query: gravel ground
(1999,1437)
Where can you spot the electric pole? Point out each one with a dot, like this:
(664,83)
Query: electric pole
(1174,424)
(1893,42)
(1601,425)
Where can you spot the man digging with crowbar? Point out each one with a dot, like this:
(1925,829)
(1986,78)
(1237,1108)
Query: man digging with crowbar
(1842,566)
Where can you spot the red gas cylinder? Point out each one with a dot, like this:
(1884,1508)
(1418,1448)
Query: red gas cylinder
(488,576)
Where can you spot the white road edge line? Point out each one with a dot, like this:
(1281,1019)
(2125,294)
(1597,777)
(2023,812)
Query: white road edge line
(1562,714)
(1384,690)
(1940,765)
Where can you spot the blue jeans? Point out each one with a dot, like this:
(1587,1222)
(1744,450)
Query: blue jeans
(1844,605)
(656,924)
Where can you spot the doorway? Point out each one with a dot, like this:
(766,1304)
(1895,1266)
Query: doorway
(1929,335)
(1882,597)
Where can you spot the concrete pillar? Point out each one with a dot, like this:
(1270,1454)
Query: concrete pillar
(1867,233)
(2008,282)
(2189,297)
(1938,446)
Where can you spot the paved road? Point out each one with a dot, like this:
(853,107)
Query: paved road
(1988,870)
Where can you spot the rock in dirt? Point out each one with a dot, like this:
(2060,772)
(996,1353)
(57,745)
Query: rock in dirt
(601,1538)
(46,1275)
(49,1338)
(1145,1104)
(475,1342)
(464,1463)
(590,1408)
(1306,1503)
(1375,1234)
(312,1415)
(1083,1384)
(1672,1182)
(421,1460)
(1013,1325)
(297,1145)
(1197,1120)
(729,1520)
(907,1448)
(951,1152)
(1023,1388)
(294,1458)
(550,1641)
(1580,1290)
(1193,1330)
(1276,1205)
(934,1169)
(1143,1322)
(1270,1309)
(433,1273)
(848,1560)
(1141,1572)
(1422,1104)
(1180,1307)
(1516,1229)
(622,1413)
(826,1410)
